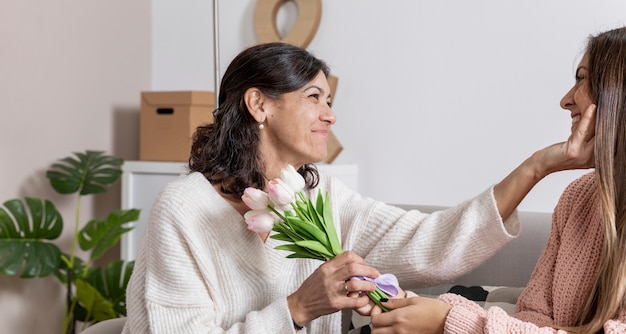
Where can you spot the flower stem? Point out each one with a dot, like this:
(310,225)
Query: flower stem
(282,218)
(375,296)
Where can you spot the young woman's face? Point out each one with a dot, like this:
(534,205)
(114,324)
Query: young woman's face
(578,98)
(297,125)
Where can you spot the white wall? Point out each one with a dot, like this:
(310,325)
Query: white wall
(436,99)
(70,77)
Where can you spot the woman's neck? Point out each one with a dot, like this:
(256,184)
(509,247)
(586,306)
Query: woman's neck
(238,205)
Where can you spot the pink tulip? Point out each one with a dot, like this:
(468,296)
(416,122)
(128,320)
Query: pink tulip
(255,199)
(280,193)
(292,178)
(260,221)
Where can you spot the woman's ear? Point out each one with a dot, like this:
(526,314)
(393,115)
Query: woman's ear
(254,102)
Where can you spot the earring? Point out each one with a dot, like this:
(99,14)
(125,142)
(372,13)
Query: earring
(261,126)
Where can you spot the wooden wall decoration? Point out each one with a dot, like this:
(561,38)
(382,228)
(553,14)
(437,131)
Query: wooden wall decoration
(302,33)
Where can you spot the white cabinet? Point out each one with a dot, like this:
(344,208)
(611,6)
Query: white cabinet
(142,181)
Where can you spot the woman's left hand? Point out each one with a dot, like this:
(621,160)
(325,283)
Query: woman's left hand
(410,315)
(367,309)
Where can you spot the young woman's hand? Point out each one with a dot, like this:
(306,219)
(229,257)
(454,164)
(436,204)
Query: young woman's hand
(367,309)
(410,315)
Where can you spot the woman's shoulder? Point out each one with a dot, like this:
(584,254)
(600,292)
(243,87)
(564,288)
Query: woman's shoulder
(329,183)
(186,186)
(578,198)
(190,180)
(583,184)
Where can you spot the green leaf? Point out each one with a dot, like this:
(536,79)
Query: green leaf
(320,203)
(311,231)
(300,252)
(330,226)
(87,173)
(110,282)
(78,268)
(315,246)
(281,236)
(316,218)
(100,235)
(302,210)
(24,234)
(286,229)
(98,308)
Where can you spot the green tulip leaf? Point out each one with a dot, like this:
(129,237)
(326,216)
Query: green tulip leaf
(281,236)
(315,246)
(284,228)
(315,216)
(87,173)
(309,230)
(24,235)
(329,225)
(300,252)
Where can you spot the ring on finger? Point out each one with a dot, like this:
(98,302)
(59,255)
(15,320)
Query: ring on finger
(345,287)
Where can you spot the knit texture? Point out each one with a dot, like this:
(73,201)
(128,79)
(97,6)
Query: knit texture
(199,270)
(561,281)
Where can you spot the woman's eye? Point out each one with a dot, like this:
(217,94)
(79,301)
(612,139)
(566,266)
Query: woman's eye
(315,96)
(580,78)
(330,104)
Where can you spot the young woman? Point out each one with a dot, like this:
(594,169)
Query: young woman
(579,283)
(200,270)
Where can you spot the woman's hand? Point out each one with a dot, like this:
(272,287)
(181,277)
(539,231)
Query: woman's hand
(578,151)
(367,309)
(575,153)
(327,289)
(410,315)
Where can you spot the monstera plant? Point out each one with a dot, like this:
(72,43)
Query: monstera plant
(29,226)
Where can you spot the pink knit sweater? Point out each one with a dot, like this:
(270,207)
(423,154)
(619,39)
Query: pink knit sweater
(561,280)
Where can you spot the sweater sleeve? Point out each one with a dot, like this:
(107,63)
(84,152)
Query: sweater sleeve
(618,325)
(468,317)
(422,249)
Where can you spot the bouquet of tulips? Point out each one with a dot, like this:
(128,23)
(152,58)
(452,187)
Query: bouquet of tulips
(306,226)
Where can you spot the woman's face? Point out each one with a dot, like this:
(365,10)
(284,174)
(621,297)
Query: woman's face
(578,98)
(297,125)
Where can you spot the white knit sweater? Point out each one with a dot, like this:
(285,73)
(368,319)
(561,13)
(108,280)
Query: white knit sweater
(199,270)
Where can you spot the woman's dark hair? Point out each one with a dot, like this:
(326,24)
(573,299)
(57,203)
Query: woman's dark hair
(226,151)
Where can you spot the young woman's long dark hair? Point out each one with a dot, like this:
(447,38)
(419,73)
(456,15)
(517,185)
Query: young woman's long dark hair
(226,151)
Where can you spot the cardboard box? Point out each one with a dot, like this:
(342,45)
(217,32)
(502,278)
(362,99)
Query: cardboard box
(168,121)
